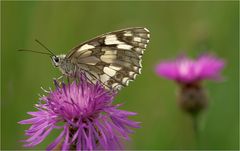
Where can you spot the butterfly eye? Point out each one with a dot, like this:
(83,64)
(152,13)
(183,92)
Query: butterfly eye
(56,59)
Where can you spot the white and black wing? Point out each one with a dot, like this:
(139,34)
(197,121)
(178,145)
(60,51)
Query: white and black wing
(114,58)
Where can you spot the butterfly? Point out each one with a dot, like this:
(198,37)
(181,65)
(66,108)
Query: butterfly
(113,59)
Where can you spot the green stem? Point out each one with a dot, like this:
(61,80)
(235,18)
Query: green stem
(195,128)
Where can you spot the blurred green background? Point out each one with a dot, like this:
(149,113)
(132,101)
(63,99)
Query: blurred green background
(176,27)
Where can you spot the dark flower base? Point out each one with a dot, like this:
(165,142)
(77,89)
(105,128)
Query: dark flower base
(192,98)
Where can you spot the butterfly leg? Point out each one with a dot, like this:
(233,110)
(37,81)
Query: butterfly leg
(59,78)
(91,75)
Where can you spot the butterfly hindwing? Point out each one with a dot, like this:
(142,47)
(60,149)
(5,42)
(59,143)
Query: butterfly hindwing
(114,58)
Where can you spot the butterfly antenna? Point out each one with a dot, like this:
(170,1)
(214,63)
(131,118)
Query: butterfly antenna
(44,47)
(35,51)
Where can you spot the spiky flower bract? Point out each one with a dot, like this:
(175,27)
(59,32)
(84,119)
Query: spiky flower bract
(87,117)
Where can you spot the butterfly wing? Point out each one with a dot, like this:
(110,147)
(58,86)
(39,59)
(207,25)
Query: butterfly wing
(113,58)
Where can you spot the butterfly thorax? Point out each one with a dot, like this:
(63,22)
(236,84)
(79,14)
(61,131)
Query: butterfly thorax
(65,66)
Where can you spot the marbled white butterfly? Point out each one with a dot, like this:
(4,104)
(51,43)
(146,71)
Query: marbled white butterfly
(113,58)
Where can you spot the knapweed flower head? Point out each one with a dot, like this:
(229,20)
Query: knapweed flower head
(85,115)
(189,73)
(186,70)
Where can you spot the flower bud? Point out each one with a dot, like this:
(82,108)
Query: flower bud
(192,98)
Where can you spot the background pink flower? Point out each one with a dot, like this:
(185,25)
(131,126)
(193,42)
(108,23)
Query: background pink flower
(186,70)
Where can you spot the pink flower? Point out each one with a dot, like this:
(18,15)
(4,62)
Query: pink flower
(186,70)
(189,73)
(84,114)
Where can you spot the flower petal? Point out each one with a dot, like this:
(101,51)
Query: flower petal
(56,141)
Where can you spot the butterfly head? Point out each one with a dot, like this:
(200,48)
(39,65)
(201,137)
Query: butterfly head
(57,60)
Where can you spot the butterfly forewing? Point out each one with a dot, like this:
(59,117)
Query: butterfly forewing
(114,58)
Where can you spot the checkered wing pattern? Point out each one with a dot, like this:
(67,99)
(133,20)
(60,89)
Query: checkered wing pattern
(113,58)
